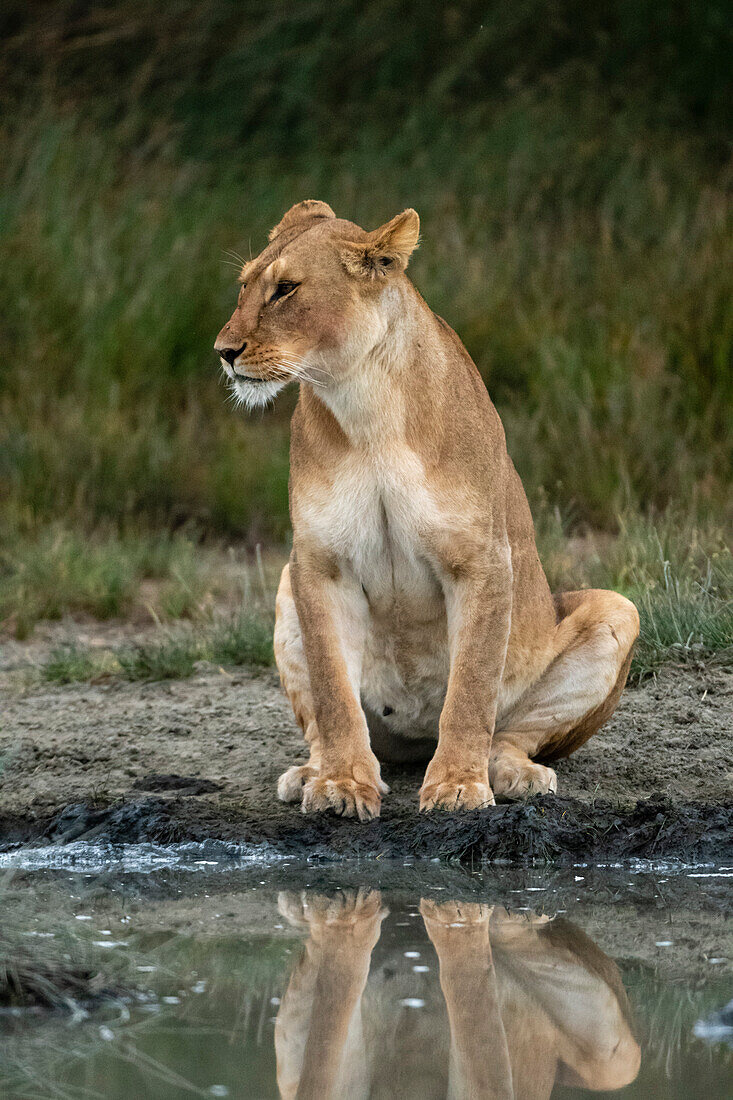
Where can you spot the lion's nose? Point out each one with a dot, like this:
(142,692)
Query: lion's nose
(230,354)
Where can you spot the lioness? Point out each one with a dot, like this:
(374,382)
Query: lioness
(414,607)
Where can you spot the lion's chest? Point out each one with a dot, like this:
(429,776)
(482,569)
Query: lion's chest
(375,518)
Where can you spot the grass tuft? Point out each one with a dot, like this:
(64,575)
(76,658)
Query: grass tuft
(170,658)
(679,627)
(244,638)
(677,571)
(68,664)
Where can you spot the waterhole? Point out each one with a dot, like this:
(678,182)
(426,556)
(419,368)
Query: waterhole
(214,971)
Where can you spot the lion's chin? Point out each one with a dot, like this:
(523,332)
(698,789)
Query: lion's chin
(254,395)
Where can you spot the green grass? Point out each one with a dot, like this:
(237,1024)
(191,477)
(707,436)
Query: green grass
(244,638)
(58,571)
(604,333)
(171,658)
(685,599)
(68,664)
(678,572)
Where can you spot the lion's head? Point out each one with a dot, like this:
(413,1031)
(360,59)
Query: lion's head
(314,302)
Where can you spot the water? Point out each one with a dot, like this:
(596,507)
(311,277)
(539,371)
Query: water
(227,975)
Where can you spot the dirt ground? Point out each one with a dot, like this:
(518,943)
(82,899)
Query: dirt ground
(200,758)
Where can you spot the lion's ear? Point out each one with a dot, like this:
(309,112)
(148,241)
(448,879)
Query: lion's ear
(386,250)
(302,211)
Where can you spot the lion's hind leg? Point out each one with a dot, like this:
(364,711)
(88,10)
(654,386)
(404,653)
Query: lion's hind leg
(291,664)
(575,695)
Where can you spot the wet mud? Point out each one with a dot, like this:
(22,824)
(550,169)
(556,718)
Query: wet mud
(549,829)
(199,759)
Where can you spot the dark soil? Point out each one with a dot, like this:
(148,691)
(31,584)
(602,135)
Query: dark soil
(184,784)
(549,829)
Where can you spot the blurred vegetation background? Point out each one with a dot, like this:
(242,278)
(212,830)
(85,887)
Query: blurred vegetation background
(571,164)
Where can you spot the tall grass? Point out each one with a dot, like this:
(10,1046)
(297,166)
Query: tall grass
(572,173)
(60,571)
(604,334)
(574,190)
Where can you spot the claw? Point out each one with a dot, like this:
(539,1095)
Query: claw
(452,795)
(513,779)
(345,797)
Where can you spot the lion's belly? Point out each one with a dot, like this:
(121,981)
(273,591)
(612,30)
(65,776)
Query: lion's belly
(405,674)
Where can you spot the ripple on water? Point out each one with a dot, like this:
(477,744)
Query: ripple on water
(87,856)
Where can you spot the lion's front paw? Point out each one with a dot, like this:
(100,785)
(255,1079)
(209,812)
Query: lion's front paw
(345,795)
(290,784)
(455,794)
(456,928)
(513,778)
(519,926)
(455,914)
(342,909)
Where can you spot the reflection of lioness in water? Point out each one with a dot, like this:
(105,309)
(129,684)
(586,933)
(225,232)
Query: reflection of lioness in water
(530,1002)
(415,607)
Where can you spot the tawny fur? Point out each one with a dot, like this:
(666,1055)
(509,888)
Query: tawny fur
(414,608)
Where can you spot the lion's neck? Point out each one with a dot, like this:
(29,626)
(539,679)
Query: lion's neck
(375,403)
(370,404)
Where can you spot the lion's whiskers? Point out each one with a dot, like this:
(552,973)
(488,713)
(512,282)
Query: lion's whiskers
(295,368)
(291,366)
(310,371)
(235,255)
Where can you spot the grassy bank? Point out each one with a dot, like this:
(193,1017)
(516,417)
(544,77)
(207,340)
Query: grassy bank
(679,574)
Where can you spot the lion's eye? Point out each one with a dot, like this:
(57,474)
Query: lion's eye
(283,290)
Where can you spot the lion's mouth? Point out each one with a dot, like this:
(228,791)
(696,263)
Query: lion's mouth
(248,378)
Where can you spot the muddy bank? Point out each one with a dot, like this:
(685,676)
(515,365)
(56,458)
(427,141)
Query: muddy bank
(196,759)
(550,829)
